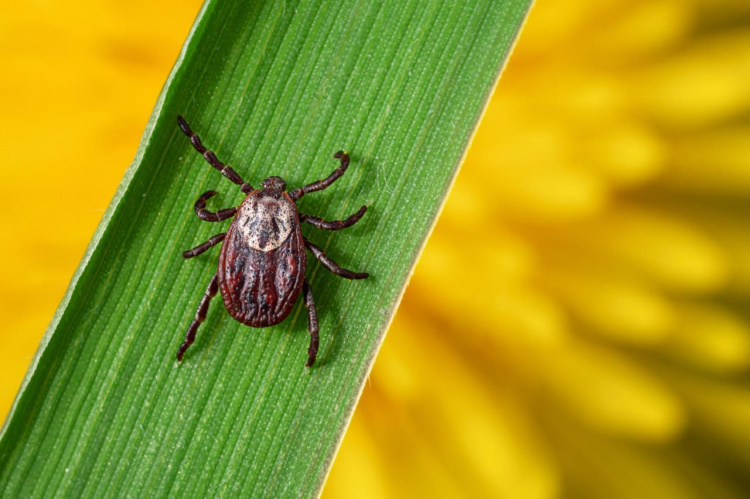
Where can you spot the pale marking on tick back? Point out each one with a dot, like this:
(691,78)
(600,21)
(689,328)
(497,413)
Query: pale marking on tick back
(268,223)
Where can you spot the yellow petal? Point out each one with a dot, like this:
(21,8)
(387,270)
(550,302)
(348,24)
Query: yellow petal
(639,31)
(613,394)
(720,412)
(672,251)
(533,174)
(711,338)
(476,291)
(616,469)
(613,305)
(701,87)
(550,194)
(724,153)
(548,28)
(359,465)
(394,373)
(491,256)
(476,424)
(627,154)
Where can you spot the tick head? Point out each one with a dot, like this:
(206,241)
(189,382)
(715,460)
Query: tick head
(274,184)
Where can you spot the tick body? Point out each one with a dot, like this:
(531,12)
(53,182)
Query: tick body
(262,263)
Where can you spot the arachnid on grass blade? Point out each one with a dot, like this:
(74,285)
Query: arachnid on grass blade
(262,263)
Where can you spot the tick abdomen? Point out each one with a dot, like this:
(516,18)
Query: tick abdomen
(262,262)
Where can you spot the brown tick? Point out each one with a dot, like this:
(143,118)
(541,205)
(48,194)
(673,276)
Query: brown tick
(263,260)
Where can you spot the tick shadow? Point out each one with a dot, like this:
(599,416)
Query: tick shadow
(334,294)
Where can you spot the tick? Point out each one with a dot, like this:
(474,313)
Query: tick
(262,262)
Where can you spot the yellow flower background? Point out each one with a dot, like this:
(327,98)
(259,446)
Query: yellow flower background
(578,324)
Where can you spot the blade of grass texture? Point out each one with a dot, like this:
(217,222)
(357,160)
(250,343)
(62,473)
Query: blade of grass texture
(275,88)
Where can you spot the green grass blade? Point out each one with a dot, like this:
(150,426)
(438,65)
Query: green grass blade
(275,88)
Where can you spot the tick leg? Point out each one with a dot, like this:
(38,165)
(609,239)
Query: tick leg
(210,216)
(205,246)
(209,156)
(200,316)
(333,266)
(322,184)
(312,324)
(334,224)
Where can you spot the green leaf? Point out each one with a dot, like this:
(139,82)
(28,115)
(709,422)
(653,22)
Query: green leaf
(275,88)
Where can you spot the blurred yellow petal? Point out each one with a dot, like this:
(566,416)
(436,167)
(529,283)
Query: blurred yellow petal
(547,29)
(580,97)
(724,153)
(495,258)
(521,315)
(723,9)
(711,338)
(641,29)
(671,251)
(549,195)
(627,154)
(614,394)
(472,211)
(458,260)
(401,458)
(722,412)
(486,426)
(618,470)
(616,307)
(394,376)
(491,302)
(732,233)
(364,471)
(706,84)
